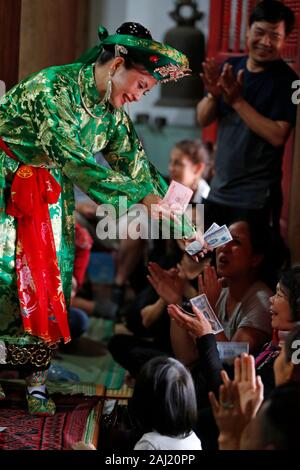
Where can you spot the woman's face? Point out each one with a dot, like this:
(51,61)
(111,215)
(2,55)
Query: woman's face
(281,316)
(182,169)
(129,85)
(236,259)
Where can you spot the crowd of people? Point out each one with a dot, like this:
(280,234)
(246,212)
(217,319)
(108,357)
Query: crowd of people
(51,126)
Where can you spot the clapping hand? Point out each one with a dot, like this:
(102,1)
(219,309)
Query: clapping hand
(238,402)
(167,284)
(210,285)
(211,76)
(196,326)
(230,85)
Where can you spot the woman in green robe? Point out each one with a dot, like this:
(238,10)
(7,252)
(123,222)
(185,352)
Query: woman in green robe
(57,120)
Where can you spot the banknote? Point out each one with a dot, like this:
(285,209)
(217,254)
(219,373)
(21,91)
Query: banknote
(218,237)
(228,351)
(213,241)
(177,197)
(212,228)
(202,303)
(194,248)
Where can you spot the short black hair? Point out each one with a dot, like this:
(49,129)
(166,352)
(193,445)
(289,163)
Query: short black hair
(164,398)
(281,417)
(290,282)
(273,11)
(128,28)
(265,241)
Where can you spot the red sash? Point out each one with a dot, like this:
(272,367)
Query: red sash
(42,301)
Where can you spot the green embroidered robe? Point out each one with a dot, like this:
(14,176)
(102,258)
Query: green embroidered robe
(44,123)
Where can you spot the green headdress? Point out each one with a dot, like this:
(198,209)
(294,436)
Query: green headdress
(163,62)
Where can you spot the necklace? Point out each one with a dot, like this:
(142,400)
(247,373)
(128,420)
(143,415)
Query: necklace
(82,99)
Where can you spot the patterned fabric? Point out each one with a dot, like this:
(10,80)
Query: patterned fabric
(44,124)
(39,406)
(37,378)
(70,424)
(43,306)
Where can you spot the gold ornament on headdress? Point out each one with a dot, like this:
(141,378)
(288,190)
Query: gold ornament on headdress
(172,71)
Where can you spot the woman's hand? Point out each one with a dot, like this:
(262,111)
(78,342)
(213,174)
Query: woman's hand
(210,285)
(151,201)
(157,209)
(228,414)
(196,326)
(168,285)
(205,248)
(250,386)
(239,401)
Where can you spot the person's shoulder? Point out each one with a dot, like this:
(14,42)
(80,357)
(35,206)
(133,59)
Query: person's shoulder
(284,71)
(258,292)
(221,302)
(50,76)
(148,441)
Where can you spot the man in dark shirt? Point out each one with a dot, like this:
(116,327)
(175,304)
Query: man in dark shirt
(251,99)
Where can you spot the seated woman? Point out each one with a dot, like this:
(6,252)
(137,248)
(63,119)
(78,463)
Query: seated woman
(285,315)
(242,306)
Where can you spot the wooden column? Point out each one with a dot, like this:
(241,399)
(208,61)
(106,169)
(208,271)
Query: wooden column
(294,209)
(10,13)
(53,32)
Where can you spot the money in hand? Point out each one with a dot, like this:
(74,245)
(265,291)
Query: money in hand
(202,304)
(215,236)
(177,197)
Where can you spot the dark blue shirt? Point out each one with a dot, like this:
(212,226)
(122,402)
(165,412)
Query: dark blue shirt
(247,165)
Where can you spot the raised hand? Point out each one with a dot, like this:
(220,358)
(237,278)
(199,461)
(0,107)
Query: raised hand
(209,284)
(250,386)
(228,414)
(196,326)
(230,85)
(168,285)
(211,76)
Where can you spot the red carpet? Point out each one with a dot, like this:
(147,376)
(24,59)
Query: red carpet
(59,432)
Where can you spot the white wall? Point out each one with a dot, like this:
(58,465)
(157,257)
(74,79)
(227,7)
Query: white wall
(154,15)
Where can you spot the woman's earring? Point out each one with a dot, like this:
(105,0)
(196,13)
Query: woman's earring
(107,95)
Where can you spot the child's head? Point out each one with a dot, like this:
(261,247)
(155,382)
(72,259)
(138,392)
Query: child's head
(164,398)
(187,162)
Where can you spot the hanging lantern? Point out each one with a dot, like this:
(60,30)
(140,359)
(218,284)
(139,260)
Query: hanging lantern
(188,39)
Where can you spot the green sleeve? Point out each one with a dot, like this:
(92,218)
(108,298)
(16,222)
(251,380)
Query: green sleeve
(59,133)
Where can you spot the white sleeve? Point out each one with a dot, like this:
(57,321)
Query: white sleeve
(144,444)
